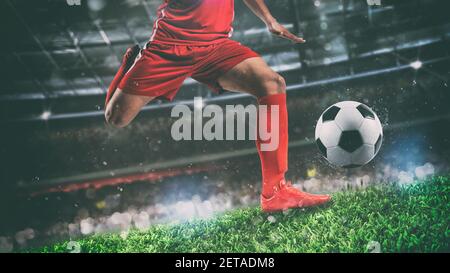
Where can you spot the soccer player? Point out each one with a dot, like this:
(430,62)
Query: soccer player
(191,38)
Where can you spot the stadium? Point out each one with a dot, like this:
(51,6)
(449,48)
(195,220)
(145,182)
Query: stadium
(71,183)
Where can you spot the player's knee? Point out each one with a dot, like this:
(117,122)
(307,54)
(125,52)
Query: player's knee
(273,84)
(114,119)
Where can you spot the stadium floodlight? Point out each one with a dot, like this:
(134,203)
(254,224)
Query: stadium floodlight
(96,5)
(416,64)
(46,115)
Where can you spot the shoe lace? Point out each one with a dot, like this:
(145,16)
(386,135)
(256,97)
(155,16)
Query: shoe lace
(284,185)
(290,188)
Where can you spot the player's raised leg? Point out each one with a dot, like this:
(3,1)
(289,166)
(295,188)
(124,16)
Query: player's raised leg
(143,76)
(122,108)
(127,61)
(255,77)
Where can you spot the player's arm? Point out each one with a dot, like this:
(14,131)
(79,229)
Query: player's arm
(259,8)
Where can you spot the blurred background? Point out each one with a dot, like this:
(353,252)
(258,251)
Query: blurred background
(65,174)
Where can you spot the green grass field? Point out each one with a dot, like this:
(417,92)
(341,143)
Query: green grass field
(411,218)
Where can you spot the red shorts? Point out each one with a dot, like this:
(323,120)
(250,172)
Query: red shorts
(160,69)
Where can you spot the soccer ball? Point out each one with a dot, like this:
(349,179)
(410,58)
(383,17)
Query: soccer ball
(349,134)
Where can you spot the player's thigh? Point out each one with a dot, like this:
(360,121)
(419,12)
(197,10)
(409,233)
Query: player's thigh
(123,108)
(253,76)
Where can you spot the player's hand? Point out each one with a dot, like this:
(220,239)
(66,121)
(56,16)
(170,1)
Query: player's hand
(279,30)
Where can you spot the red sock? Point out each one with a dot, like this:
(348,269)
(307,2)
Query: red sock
(274,164)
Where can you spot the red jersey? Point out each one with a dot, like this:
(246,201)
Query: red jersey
(193,22)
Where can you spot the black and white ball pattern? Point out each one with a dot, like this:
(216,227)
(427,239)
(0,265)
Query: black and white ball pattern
(349,134)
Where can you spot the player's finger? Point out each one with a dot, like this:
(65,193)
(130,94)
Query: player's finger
(277,32)
(293,37)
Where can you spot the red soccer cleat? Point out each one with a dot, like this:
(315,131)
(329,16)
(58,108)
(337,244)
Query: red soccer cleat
(127,62)
(286,197)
